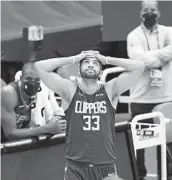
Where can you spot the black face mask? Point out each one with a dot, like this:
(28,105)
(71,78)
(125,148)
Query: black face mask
(32,87)
(149,20)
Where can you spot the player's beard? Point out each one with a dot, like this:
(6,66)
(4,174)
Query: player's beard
(87,75)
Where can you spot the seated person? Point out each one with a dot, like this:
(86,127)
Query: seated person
(17,99)
(46,107)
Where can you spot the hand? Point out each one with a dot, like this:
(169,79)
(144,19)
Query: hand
(155,64)
(101,58)
(62,125)
(113,177)
(56,127)
(152,62)
(79,57)
(56,118)
(90,52)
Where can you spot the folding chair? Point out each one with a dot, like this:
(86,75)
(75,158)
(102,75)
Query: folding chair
(166,110)
(148,135)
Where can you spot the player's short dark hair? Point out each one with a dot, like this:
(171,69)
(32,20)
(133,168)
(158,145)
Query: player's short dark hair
(26,67)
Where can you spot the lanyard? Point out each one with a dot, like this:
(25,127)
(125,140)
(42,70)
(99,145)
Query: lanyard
(160,68)
(148,40)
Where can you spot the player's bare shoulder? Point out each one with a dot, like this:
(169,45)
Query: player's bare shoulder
(8,97)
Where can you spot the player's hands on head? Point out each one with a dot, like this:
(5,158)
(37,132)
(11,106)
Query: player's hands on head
(90,52)
(101,58)
(79,57)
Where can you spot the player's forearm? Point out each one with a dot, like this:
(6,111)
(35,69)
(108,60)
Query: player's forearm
(51,64)
(25,133)
(129,65)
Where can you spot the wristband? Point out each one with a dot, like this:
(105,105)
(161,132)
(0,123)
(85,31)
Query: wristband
(107,57)
(74,59)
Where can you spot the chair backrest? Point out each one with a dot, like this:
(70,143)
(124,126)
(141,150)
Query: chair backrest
(166,110)
(152,135)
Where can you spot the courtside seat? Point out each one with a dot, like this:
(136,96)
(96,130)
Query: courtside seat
(166,110)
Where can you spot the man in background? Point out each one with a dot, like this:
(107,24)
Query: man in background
(152,44)
(46,108)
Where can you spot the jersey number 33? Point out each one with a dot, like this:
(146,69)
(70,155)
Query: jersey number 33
(91,123)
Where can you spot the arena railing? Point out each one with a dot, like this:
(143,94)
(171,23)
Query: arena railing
(43,157)
(44,140)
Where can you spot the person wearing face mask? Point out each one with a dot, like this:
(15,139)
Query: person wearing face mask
(46,107)
(89,110)
(17,100)
(151,43)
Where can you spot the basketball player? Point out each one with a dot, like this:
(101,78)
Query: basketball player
(90,111)
(17,100)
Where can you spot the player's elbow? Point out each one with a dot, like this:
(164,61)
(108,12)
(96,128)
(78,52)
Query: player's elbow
(10,135)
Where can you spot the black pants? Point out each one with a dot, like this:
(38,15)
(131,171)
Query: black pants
(136,109)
